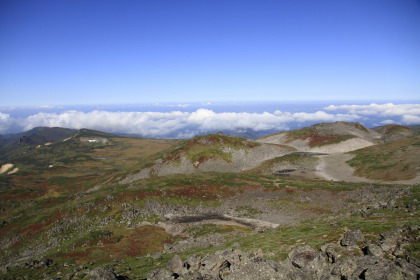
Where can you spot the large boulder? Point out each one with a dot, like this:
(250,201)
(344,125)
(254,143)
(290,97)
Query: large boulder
(100,273)
(159,274)
(373,250)
(305,257)
(351,238)
(367,267)
(308,262)
(175,265)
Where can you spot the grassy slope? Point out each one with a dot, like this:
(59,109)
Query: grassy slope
(50,203)
(316,138)
(38,135)
(398,160)
(393,129)
(212,146)
(300,161)
(88,241)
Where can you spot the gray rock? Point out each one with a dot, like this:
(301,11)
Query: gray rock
(309,262)
(400,250)
(391,236)
(257,269)
(345,269)
(305,257)
(159,274)
(351,238)
(175,265)
(413,260)
(382,271)
(195,275)
(385,246)
(413,227)
(333,252)
(367,267)
(157,255)
(192,263)
(100,273)
(211,261)
(373,250)
(409,270)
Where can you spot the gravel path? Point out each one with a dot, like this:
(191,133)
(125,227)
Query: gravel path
(334,167)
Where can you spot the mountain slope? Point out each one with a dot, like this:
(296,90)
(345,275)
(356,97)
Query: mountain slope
(326,137)
(211,153)
(392,132)
(37,136)
(79,219)
(389,161)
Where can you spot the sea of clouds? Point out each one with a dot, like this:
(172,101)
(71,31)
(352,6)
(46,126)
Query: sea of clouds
(185,124)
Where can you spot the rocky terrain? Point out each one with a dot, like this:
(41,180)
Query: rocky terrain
(336,137)
(288,206)
(211,153)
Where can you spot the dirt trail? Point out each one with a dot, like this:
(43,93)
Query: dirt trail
(334,167)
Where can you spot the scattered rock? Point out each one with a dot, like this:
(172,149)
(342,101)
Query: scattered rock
(351,238)
(304,257)
(159,274)
(373,250)
(100,273)
(175,265)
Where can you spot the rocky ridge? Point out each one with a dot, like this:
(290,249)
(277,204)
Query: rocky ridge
(352,258)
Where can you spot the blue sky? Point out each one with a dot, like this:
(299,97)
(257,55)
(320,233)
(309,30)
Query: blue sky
(126,52)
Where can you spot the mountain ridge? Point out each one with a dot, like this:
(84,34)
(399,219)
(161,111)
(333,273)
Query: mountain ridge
(213,206)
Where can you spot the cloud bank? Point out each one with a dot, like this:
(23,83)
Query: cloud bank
(409,113)
(177,124)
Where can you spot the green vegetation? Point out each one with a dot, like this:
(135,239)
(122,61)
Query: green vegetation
(318,140)
(248,211)
(294,160)
(390,161)
(77,212)
(393,129)
(207,229)
(212,146)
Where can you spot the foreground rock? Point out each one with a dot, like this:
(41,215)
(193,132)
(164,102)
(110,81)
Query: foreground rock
(348,259)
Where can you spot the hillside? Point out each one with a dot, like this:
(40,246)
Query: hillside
(100,206)
(326,137)
(210,153)
(335,152)
(79,158)
(36,136)
(390,161)
(394,132)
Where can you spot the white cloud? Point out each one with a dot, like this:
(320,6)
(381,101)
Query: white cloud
(187,124)
(388,109)
(5,122)
(176,123)
(324,117)
(410,119)
(408,113)
(387,122)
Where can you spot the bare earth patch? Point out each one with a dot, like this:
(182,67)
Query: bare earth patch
(335,167)
(5,167)
(16,169)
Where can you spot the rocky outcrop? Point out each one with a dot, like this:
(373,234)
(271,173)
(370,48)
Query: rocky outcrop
(240,159)
(351,238)
(100,273)
(346,260)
